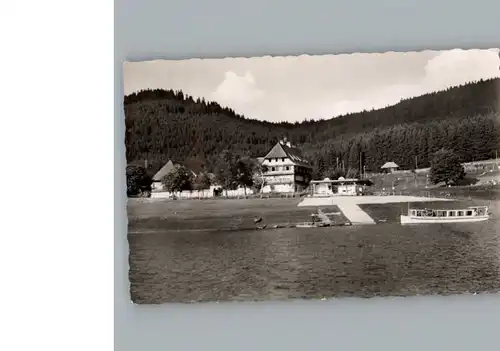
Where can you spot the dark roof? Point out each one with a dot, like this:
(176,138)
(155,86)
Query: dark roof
(294,154)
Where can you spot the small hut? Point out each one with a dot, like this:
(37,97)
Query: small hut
(390,167)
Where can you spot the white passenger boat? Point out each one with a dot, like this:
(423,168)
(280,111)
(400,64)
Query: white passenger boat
(470,214)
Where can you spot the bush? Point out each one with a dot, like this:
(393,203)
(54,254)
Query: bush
(138,182)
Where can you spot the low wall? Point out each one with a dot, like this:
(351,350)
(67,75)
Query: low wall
(202,194)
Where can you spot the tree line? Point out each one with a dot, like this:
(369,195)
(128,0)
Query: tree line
(413,145)
(231,172)
(167,124)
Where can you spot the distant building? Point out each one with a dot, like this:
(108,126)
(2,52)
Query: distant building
(341,186)
(390,167)
(166,169)
(287,169)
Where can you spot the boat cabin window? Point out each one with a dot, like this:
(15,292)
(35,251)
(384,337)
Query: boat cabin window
(413,212)
(441,213)
(451,213)
(460,213)
(481,212)
(419,213)
(468,213)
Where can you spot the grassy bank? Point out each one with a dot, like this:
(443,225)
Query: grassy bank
(389,213)
(208,215)
(479,194)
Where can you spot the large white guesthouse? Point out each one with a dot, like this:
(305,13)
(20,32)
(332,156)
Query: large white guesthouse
(286,169)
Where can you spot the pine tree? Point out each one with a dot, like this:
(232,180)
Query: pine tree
(446,167)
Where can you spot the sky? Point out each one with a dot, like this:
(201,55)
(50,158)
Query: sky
(295,88)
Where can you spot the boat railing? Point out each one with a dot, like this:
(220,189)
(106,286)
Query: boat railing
(474,211)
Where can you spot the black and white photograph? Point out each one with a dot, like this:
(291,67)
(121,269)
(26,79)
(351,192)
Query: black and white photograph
(313,177)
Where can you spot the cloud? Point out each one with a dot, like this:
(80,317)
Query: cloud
(237,91)
(455,67)
(294,88)
(446,69)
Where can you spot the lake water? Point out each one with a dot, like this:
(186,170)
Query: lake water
(377,260)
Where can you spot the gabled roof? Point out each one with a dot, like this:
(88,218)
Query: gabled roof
(294,154)
(277,151)
(167,168)
(390,165)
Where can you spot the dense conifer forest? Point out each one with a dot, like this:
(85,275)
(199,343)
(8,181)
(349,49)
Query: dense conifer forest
(166,124)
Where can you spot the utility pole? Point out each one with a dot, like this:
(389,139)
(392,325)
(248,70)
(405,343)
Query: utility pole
(415,175)
(361,165)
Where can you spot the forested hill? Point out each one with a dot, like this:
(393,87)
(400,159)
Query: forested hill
(164,125)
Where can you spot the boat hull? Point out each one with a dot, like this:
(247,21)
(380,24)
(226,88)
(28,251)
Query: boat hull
(434,220)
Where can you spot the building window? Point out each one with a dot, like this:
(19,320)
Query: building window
(272,169)
(287,168)
(283,159)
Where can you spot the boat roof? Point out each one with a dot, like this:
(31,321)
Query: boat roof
(446,209)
